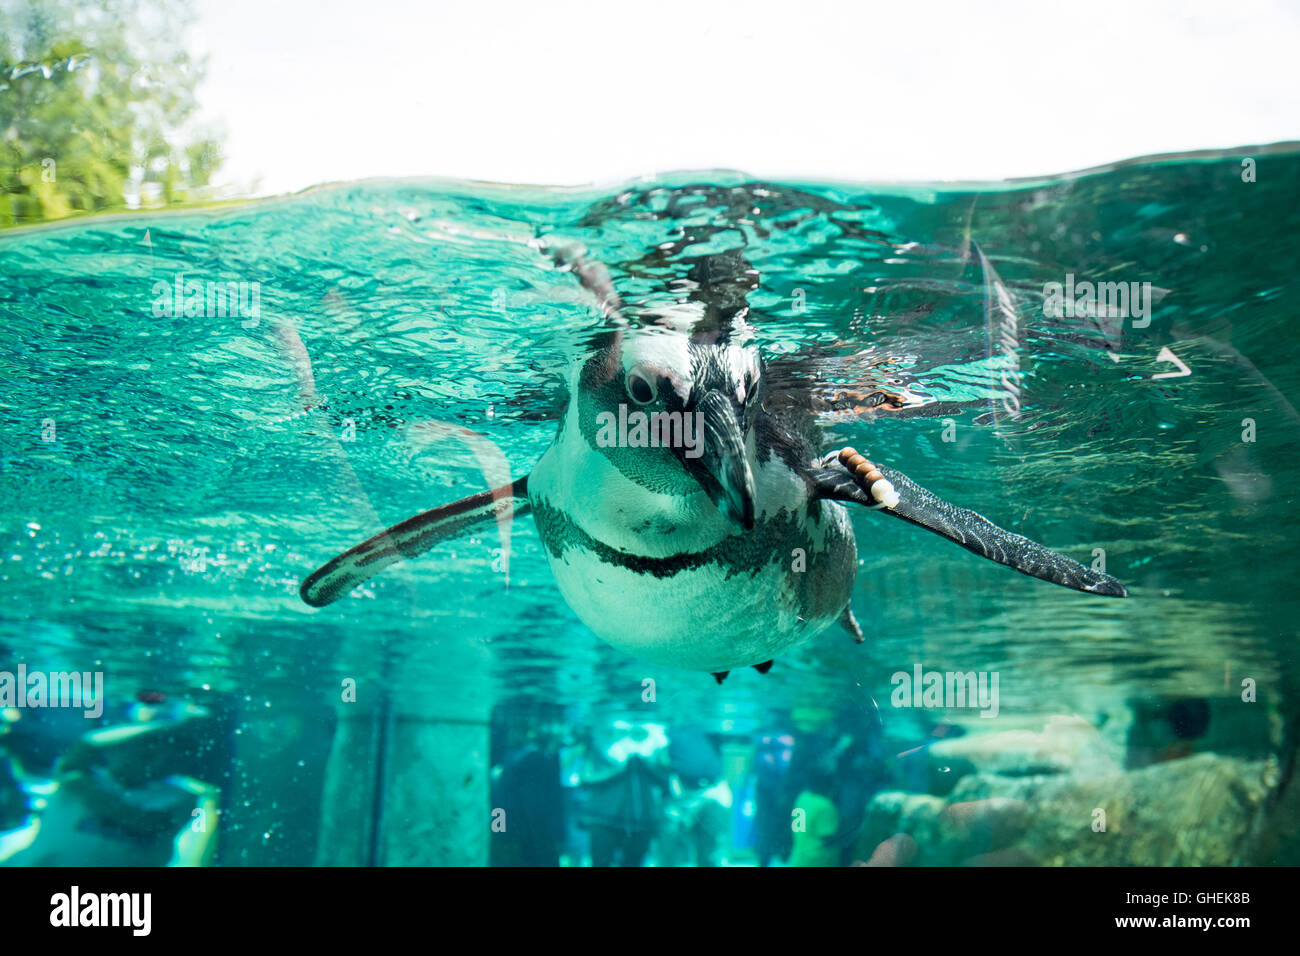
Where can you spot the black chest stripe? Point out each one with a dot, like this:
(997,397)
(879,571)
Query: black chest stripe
(771,541)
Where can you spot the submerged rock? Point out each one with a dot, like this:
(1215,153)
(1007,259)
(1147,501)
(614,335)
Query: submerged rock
(1197,811)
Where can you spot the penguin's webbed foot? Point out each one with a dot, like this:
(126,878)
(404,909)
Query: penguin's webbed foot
(762,668)
(850,624)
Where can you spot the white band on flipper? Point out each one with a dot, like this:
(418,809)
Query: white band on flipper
(883,491)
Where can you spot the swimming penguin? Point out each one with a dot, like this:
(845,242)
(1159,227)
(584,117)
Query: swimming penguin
(687,513)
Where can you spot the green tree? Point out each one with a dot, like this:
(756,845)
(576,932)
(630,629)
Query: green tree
(95,98)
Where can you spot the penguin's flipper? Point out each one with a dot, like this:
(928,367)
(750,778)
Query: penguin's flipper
(571,256)
(844,478)
(411,537)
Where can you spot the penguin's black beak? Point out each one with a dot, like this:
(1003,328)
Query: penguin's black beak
(718,461)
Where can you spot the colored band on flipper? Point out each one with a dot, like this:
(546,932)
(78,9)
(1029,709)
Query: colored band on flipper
(869,478)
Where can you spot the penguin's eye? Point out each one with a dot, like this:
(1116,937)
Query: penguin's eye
(641,387)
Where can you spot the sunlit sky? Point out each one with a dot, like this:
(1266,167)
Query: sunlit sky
(566,92)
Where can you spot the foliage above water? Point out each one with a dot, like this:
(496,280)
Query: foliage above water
(97,101)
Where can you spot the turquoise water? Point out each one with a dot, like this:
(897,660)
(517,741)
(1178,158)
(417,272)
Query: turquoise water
(168,480)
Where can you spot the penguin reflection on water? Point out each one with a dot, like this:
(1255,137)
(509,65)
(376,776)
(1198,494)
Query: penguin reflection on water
(725,544)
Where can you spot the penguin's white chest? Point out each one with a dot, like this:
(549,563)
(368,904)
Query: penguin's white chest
(700,619)
(667,579)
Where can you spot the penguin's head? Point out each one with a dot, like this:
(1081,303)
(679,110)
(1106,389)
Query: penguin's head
(674,413)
